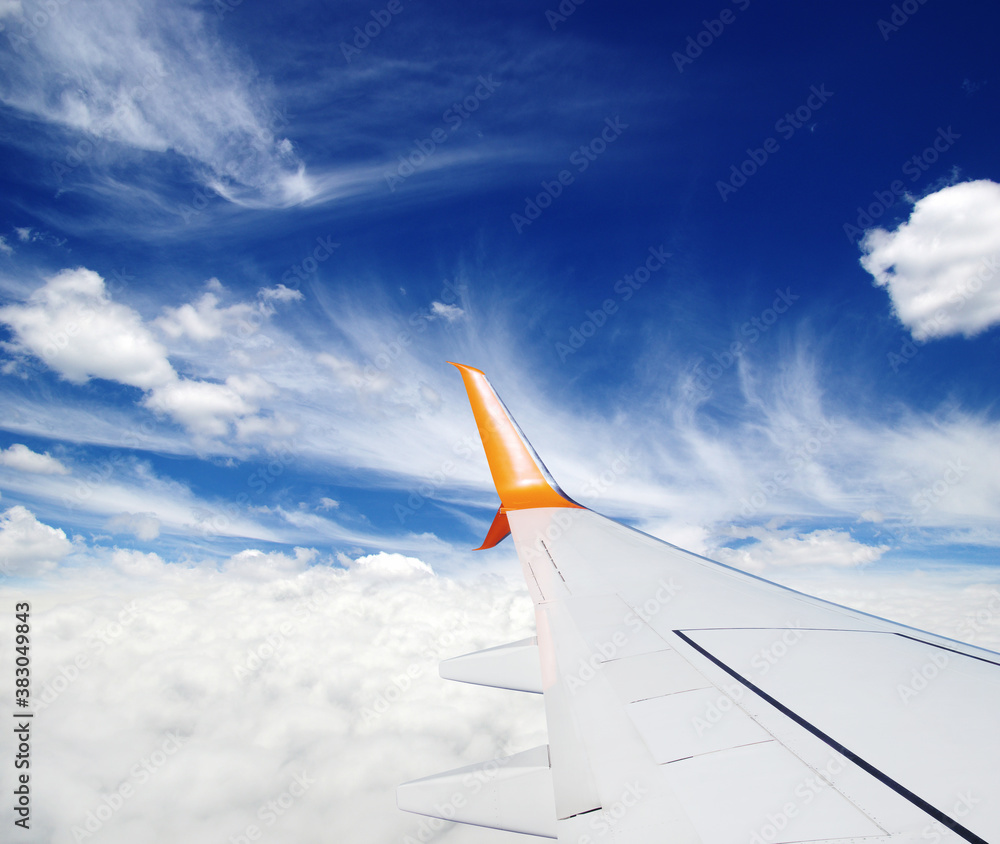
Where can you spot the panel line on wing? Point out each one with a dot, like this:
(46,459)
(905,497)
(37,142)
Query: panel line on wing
(719,750)
(885,779)
(551,560)
(858,630)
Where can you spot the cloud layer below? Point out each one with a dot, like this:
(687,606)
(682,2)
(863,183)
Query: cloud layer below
(216,690)
(209,692)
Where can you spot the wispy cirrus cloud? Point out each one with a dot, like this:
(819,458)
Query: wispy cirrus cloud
(350,384)
(765,548)
(152,76)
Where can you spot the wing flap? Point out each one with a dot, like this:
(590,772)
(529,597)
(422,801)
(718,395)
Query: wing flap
(761,793)
(512,793)
(514,666)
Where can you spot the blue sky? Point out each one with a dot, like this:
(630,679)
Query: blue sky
(294,224)
(731,265)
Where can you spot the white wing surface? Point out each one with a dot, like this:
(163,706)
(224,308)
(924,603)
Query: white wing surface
(690,703)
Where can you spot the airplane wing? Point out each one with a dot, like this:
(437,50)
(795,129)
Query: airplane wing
(688,702)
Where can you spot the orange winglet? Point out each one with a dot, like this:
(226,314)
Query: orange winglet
(498,532)
(522,481)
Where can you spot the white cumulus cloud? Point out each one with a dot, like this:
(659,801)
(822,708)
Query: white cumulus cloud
(202,320)
(201,406)
(942,266)
(391,566)
(72,324)
(22,458)
(257,564)
(27,546)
